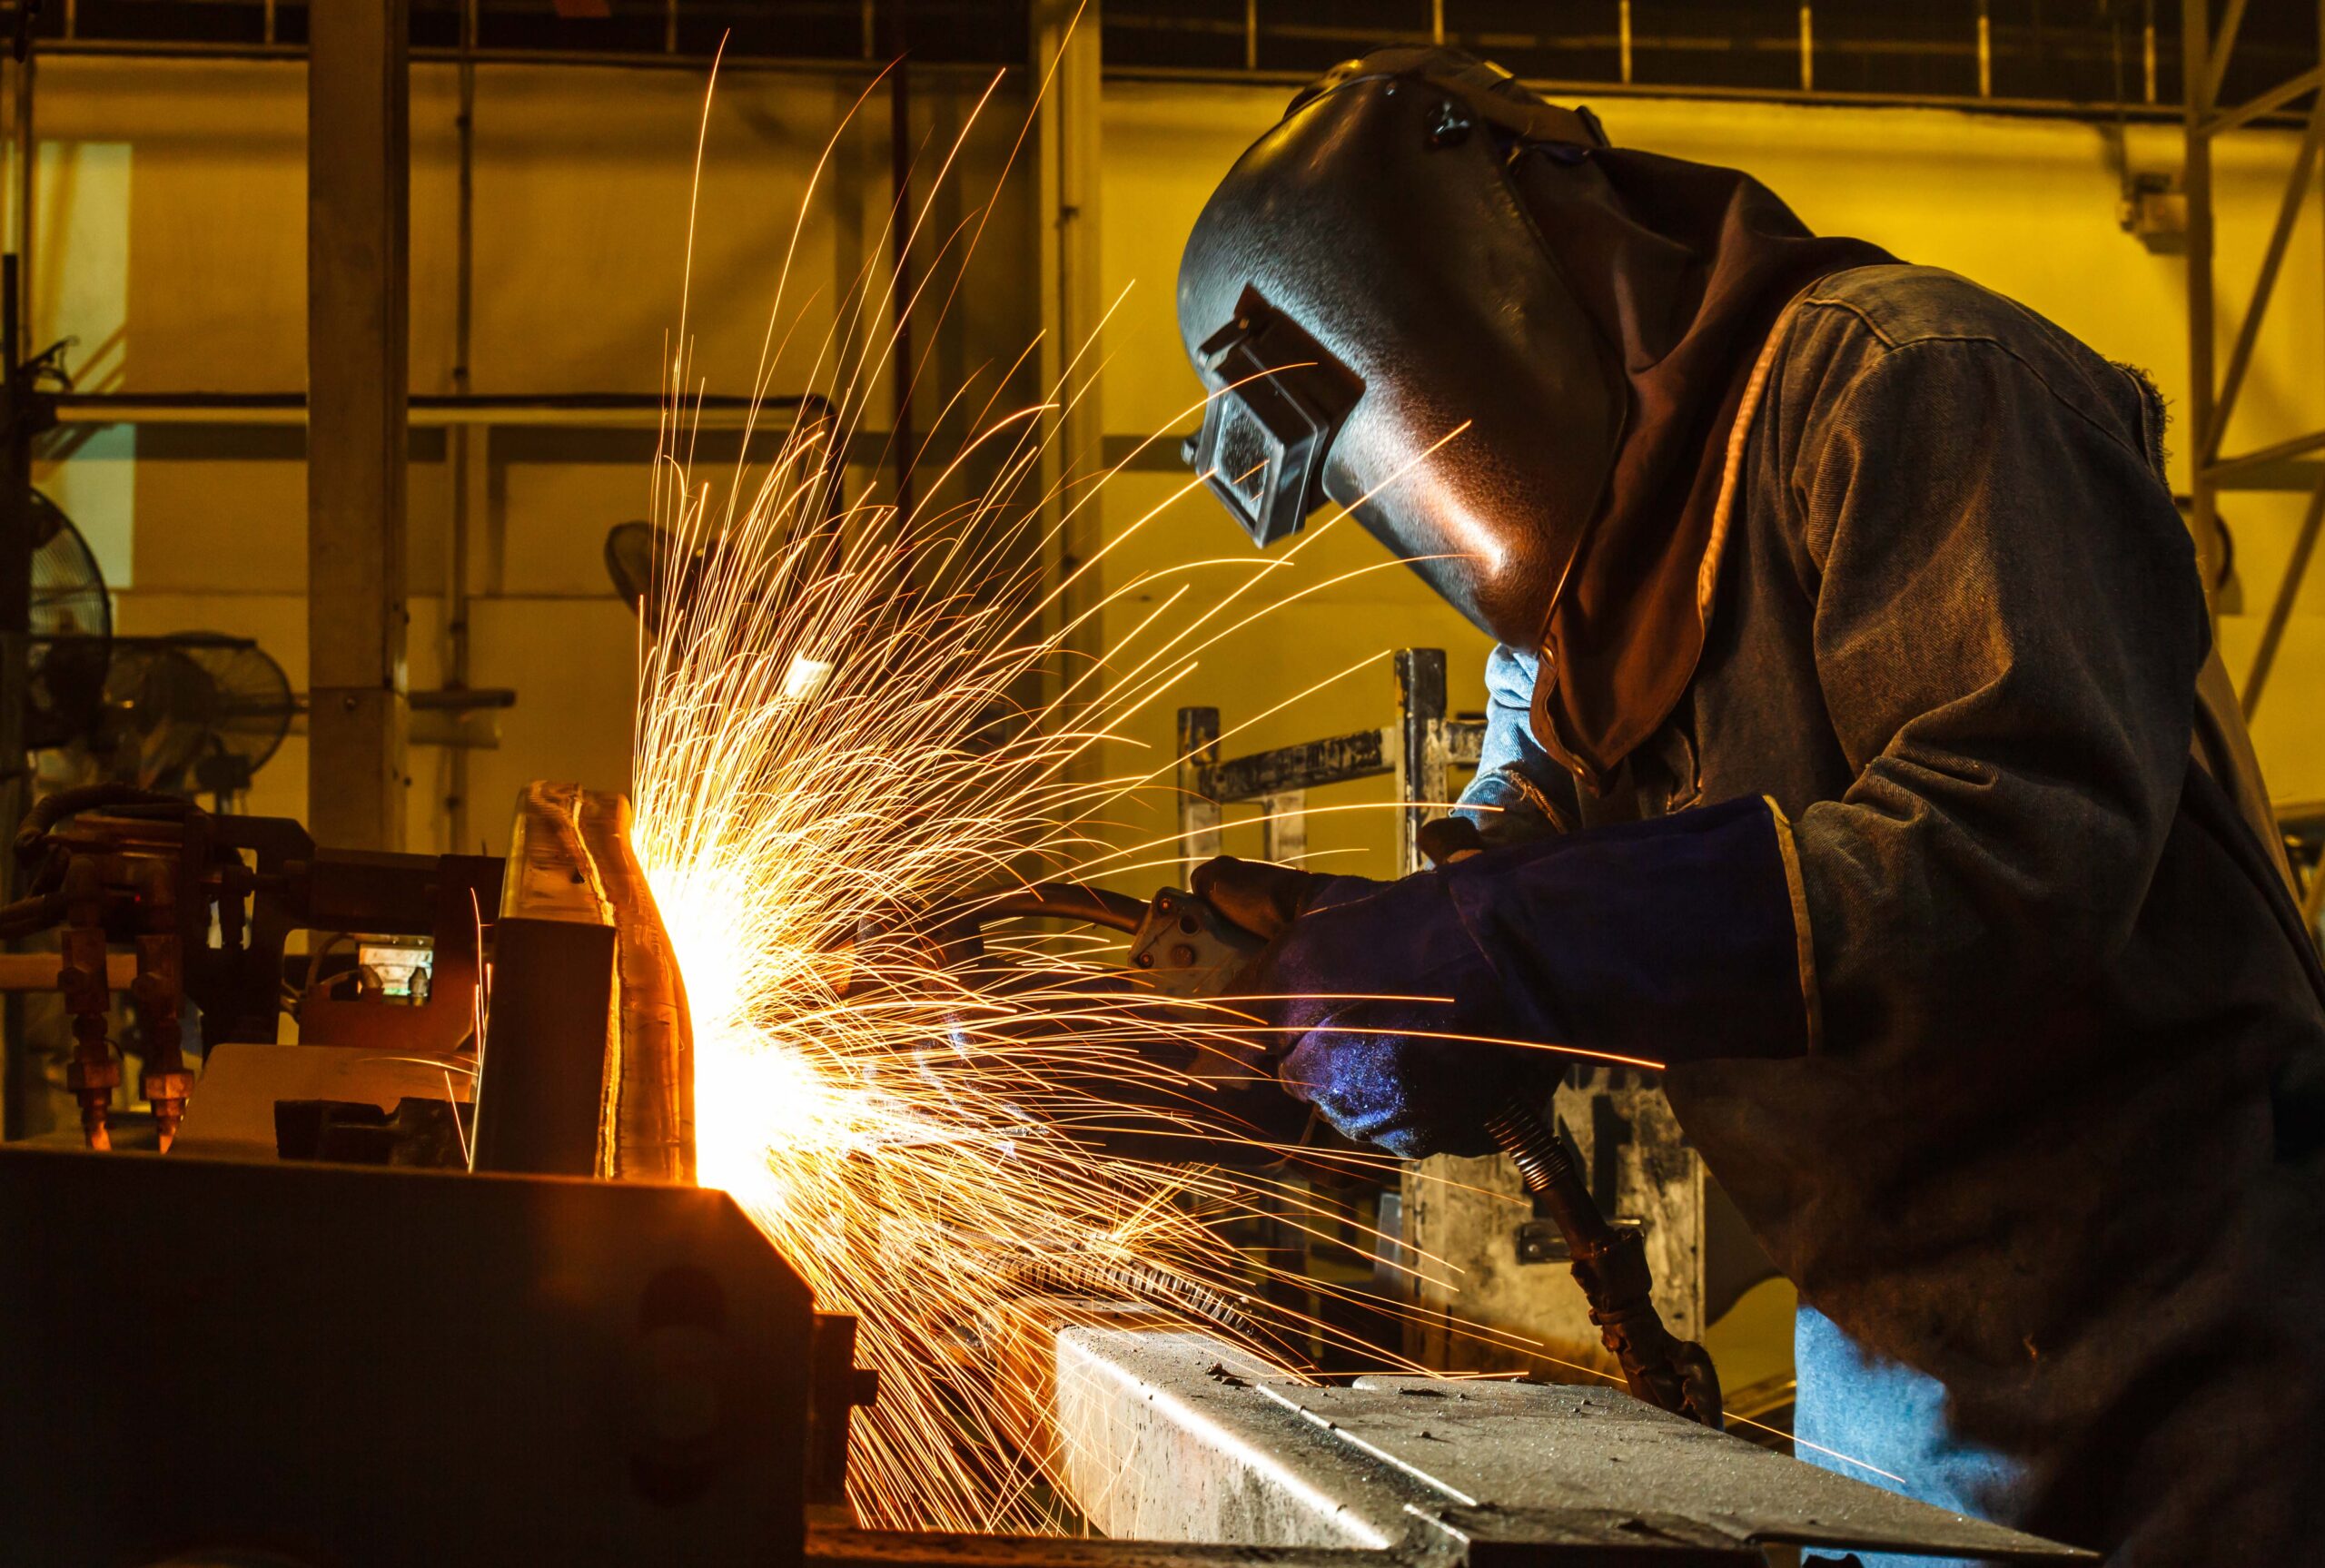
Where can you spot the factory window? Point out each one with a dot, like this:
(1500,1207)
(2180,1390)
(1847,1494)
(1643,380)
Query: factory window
(2070,51)
(1575,43)
(1746,43)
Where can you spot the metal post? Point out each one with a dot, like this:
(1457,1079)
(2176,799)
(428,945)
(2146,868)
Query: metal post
(460,438)
(2147,48)
(900,366)
(1283,825)
(1198,810)
(1986,49)
(2196,181)
(1065,74)
(1424,764)
(359,102)
(15,622)
(28,194)
(1808,47)
(1623,39)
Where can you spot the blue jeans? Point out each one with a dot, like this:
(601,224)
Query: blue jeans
(1893,1418)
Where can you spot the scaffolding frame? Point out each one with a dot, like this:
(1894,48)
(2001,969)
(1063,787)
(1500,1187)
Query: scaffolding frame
(2214,388)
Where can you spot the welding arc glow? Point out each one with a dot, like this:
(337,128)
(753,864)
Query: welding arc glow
(842,720)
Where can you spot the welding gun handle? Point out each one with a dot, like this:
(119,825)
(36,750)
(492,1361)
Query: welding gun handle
(1610,1265)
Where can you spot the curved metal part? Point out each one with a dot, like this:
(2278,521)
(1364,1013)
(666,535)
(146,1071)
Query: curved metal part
(587,1065)
(648,1134)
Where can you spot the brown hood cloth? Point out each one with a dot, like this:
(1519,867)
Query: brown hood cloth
(1684,268)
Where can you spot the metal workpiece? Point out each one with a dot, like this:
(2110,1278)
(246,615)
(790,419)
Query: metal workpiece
(587,1066)
(1177,1436)
(847,1548)
(375,1368)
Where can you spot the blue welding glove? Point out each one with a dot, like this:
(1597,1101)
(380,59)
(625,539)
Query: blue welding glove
(1659,941)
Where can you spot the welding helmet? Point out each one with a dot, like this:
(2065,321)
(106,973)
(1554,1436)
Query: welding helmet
(1379,323)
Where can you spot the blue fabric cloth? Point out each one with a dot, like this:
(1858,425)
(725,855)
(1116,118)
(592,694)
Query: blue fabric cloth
(1516,776)
(1892,1418)
(1575,942)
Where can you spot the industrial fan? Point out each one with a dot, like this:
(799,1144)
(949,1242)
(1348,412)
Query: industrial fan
(72,631)
(191,711)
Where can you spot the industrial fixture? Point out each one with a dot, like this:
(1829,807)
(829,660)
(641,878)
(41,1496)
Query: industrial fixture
(411,1290)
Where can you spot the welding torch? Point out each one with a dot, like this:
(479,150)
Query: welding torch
(1181,946)
(1610,1261)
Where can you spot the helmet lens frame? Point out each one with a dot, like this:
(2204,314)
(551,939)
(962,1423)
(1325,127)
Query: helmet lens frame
(1279,401)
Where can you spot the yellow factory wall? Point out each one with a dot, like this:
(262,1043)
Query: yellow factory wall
(170,244)
(2027,207)
(171,241)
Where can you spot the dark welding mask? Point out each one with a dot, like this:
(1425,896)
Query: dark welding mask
(1380,324)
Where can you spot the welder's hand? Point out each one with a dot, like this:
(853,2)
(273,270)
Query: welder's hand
(1260,897)
(1666,940)
(1362,1031)
(1374,994)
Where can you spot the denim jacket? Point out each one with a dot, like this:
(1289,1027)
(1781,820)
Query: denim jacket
(2045,1144)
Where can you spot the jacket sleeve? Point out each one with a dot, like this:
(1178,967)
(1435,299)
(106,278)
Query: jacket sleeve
(2008,627)
(1399,1003)
(1519,792)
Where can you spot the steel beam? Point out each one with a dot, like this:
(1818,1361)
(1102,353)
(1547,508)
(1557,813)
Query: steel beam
(357,286)
(1065,74)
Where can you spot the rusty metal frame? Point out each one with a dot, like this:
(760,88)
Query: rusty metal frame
(2213,391)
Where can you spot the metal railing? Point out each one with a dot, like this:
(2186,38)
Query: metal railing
(2214,390)
(1420,751)
(2103,56)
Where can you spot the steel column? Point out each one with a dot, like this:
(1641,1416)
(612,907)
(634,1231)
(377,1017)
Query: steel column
(1198,808)
(359,101)
(2196,181)
(1424,782)
(1065,83)
(461,441)
(16,1065)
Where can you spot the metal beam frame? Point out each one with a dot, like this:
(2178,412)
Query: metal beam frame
(2213,393)
(359,177)
(1065,76)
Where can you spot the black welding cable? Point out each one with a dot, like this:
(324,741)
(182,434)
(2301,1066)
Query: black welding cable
(28,915)
(1066,900)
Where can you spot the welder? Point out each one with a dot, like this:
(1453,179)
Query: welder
(1856,747)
